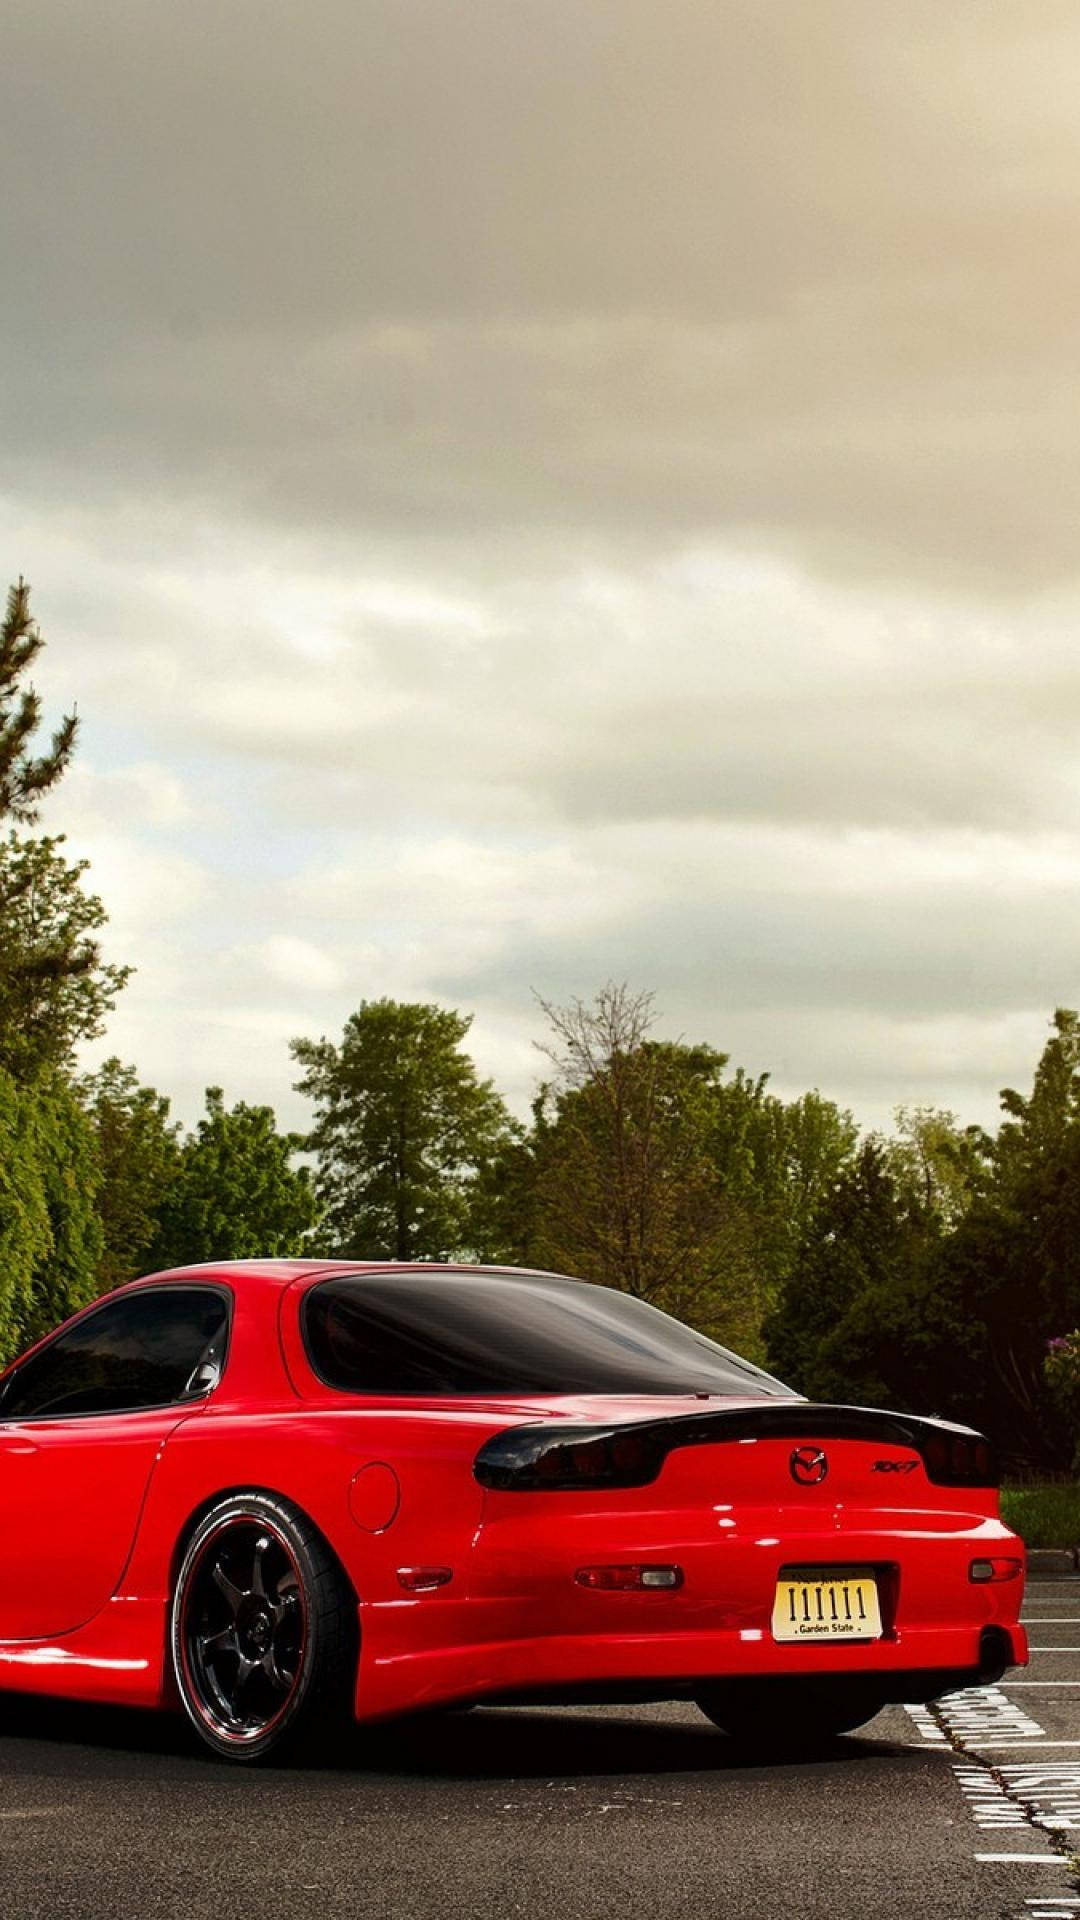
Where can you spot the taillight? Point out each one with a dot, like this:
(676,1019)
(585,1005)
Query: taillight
(536,1458)
(958,1459)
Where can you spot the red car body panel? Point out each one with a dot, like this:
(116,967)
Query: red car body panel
(94,1510)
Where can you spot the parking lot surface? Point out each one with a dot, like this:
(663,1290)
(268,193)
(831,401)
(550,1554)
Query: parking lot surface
(971,1808)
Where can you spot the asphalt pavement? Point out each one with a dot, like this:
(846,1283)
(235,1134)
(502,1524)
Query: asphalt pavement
(569,1814)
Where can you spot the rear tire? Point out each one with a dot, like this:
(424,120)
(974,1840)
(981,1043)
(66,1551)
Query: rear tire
(791,1715)
(262,1632)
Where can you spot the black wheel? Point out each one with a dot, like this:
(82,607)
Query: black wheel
(790,1716)
(263,1632)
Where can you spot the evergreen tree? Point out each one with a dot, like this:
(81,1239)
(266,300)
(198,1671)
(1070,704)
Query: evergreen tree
(405,1133)
(55,988)
(24,776)
(831,1335)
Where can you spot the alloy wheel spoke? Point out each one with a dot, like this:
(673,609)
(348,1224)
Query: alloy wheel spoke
(258,1572)
(223,1641)
(279,1679)
(285,1606)
(244,1671)
(232,1593)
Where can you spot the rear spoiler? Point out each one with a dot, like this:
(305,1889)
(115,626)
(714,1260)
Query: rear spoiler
(553,1457)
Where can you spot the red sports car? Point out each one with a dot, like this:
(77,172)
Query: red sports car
(289,1494)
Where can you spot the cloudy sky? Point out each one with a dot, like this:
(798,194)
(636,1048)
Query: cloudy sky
(533,491)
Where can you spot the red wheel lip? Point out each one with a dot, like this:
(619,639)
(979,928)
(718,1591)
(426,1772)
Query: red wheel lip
(189,1691)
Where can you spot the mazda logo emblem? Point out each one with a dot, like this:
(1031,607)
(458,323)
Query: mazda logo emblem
(808,1466)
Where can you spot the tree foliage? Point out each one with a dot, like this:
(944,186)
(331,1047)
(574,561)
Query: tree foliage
(25,776)
(55,988)
(234,1194)
(50,1233)
(25,1230)
(652,1172)
(138,1151)
(68,1276)
(405,1132)
(938,1279)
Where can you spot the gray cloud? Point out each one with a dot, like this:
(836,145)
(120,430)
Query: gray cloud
(622,275)
(528,493)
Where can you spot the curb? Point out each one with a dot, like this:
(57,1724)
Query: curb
(1050,1561)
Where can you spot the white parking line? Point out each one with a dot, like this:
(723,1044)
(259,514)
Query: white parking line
(1028,1859)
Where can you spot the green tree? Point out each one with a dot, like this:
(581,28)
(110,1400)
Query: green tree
(943,1165)
(833,1334)
(940,1271)
(405,1133)
(67,1277)
(235,1194)
(627,1187)
(25,1230)
(55,988)
(50,1234)
(138,1152)
(24,776)
(780,1160)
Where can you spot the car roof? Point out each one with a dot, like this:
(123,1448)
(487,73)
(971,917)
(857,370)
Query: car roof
(283,1273)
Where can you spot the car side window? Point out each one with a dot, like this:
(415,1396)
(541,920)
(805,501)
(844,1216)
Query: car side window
(149,1349)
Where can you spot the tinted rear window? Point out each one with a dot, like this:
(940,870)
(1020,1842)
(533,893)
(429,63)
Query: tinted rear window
(500,1333)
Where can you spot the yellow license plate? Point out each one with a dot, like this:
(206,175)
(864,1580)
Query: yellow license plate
(826,1606)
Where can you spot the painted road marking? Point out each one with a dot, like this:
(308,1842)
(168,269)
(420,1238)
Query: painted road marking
(1044,1792)
(1050,1790)
(988,1801)
(932,1734)
(978,1711)
(1052,1906)
(1026,1859)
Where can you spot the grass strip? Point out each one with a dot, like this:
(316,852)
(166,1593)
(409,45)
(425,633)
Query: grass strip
(1046,1516)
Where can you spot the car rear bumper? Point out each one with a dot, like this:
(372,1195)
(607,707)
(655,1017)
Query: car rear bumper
(661,1667)
(527,1629)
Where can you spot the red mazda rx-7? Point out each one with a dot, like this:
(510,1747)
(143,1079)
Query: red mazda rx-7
(288,1494)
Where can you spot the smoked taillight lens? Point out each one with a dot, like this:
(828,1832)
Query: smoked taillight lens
(958,1459)
(538,1458)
